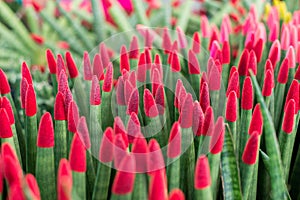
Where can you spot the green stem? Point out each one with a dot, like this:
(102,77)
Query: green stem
(101,186)
(140,187)
(60,138)
(243,132)
(79,185)
(31,139)
(205,193)
(95,129)
(214,163)
(173,173)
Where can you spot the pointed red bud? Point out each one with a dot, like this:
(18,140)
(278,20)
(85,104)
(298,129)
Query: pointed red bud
(119,150)
(72,68)
(251,149)
(179,85)
(204,97)
(120,96)
(160,99)
(176,194)
(23,90)
(77,155)
(274,53)
(73,117)
(4,85)
(291,55)
(30,102)
(297,74)
(293,93)
(104,55)
(174,145)
(181,38)
(26,73)
(5,103)
(83,132)
(158,186)
(288,119)
(208,124)
(196,44)
(268,84)
(128,88)
(226,52)
(217,140)
(5,128)
(198,118)
(193,64)
(256,123)
(205,29)
(247,94)
(258,49)
(108,79)
(119,128)
(62,82)
(124,59)
(59,107)
(106,147)
(150,107)
(45,137)
(98,67)
(33,186)
(202,173)
(124,179)
(64,180)
(133,102)
(95,94)
(134,48)
(234,85)
(243,63)
(133,127)
(283,72)
(60,65)
(252,65)
(274,32)
(166,41)
(87,69)
(285,38)
(140,151)
(214,78)
(214,36)
(187,112)
(175,62)
(51,61)
(156,159)
(231,107)
(155,80)
(142,68)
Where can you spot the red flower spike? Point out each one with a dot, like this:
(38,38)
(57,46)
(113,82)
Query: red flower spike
(30,102)
(83,132)
(142,68)
(258,49)
(72,68)
(274,53)
(106,146)
(202,173)
(64,180)
(298,52)
(119,150)
(51,61)
(208,124)
(124,59)
(150,107)
(120,96)
(174,145)
(108,79)
(119,128)
(251,149)
(4,103)
(243,63)
(256,123)
(217,140)
(288,119)
(133,102)
(297,74)
(175,62)
(77,155)
(133,127)
(234,85)
(193,64)
(128,88)
(148,58)
(59,107)
(62,83)
(182,95)
(293,93)
(181,38)
(204,97)
(4,85)
(252,65)
(12,170)
(104,55)
(33,186)
(98,67)
(179,85)
(214,78)
(140,152)
(95,93)
(285,38)
(156,159)
(16,192)
(231,107)
(60,65)
(87,69)
(232,70)
(134,48)
(268,84)
(274,32)
(291,55)
(158,65)
(283,72)
(132,78)
(160,99)
(45,137)
(214,36)
(269,66)
(166,41)
(176,194)
(26,73)
(124,179)
(205,29)
(247,94)
(226,52)
(196,44)
(198,118)
(158,186)
(187,112)
(23,90)
(5,129)
(155,80)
